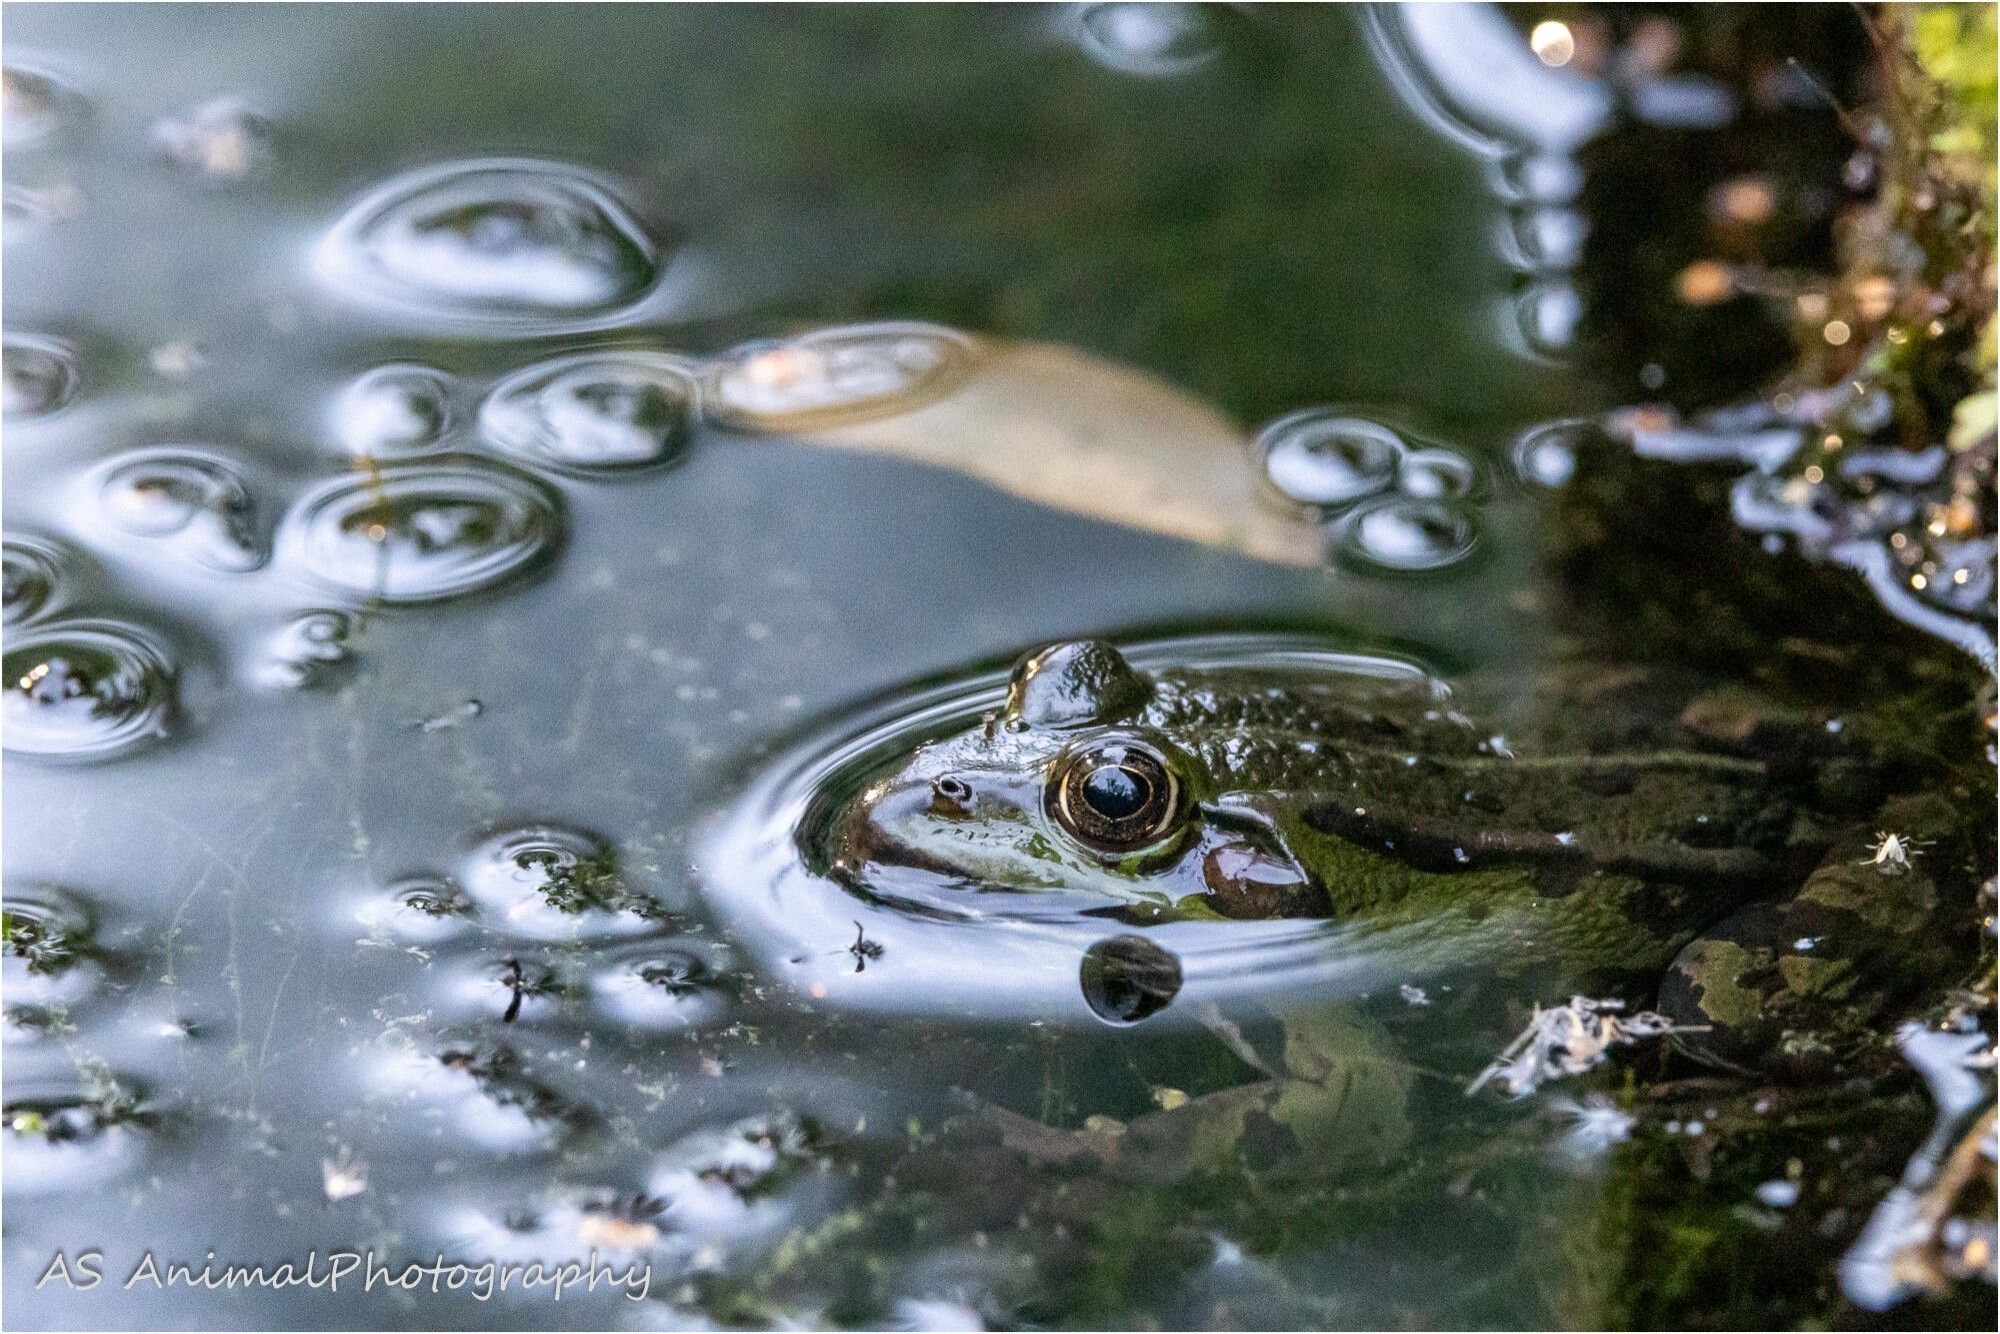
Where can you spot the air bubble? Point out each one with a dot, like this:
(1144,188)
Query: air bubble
(1408,534)
(1155,40)
(224,138)
(1129,978)
(1322,458)
(35,106)
(30,574)
(67,1139)
(1547,312)
(488,1093)
(420,908)
(85,690)
(40,375)
(195,500)
(710,1178)
(492,241)
(391,410)
(1437,474)
(50,949)
(308,649)
(660,988)
(551,882)
(1546,454)
(423,532)
(847,373)
(595,412)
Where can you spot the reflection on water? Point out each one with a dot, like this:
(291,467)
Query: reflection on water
(450,451)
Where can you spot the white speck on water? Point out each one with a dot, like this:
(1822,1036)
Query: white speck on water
(1778,1194)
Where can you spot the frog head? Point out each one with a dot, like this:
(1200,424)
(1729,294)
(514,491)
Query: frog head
(1067,801)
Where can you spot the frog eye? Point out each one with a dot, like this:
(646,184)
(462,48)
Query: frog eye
(1116,796)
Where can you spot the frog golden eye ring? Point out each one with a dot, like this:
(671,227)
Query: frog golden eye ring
(1116,795)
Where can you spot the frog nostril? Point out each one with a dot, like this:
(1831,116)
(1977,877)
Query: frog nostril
(952,789)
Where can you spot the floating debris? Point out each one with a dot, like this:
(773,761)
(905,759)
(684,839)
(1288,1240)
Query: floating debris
(1570,1039)
(456,716)
(344,1176)
(1915,1241)
(1595,1124)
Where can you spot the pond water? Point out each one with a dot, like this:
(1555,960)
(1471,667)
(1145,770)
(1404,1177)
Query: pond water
(368,614)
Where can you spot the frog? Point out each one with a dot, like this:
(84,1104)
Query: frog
(1098,790)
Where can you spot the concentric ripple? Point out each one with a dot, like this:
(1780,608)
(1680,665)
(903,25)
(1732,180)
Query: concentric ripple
(659,987)
(62,1139)
(190,498)
(847,373)
(50,947)
(424,531)
(765,871)
(492,241)
(595,412)
(40,374)
(552,882)
(420,908)
(85,690)
(30,577)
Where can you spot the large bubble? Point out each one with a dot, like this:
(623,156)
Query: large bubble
(595,412)
(424,531)
(492,241)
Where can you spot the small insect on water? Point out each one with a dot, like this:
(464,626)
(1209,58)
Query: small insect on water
(1893,853)
(863,949)
(515,979)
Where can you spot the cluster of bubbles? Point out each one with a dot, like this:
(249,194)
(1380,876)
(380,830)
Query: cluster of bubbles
(725,1188)
(503,927)
(84,1124)
(1474,80)
(1387,504)
(497,926)
(442,501)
